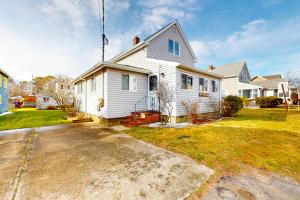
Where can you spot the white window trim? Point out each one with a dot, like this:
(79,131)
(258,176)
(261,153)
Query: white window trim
(173,53)
(205,79)
(190,89)
(130,87)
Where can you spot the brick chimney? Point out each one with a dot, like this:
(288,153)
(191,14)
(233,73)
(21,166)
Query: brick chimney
(136,40)
(211,67)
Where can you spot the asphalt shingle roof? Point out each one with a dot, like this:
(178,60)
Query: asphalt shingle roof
(229,70)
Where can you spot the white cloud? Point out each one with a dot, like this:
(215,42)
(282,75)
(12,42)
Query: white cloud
(255,37)
(60,8)
(155,13)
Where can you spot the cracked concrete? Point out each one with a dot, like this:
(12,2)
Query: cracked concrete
(253,186)
(85,161)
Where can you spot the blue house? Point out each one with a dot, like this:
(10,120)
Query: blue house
(3,91)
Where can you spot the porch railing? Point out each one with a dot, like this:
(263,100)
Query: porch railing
(147,103)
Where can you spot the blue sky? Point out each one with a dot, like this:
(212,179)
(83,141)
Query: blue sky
(62,36)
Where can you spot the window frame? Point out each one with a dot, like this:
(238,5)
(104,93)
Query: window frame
(155,84)
(123,87)
(173,44)
(205,86)
(188,86)
(214,87)
(93,84)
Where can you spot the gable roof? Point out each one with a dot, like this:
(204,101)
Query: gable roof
(102,65)
(276,77)
(3,72)
(268,84)
(146,41)
(230,70)
(272,77)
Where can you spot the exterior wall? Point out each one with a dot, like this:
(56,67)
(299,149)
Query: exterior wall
(121,102)
(139,59)
(158,48)
(193,95)
(89,100)
(4,94)
(229,86)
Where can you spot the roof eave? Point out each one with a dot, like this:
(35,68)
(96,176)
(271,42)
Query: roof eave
(189,68)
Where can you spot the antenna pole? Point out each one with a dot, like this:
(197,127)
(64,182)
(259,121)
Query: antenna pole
(103,36)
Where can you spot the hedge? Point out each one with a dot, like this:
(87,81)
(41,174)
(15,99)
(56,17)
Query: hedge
(231,106)
(267,102)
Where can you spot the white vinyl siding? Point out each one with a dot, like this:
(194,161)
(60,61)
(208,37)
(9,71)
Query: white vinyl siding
(89,100)
(158,48)
(121,102)
(193,95)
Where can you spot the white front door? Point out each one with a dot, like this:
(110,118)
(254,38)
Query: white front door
(153,104)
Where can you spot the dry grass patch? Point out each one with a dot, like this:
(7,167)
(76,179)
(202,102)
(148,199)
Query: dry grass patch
(267,139)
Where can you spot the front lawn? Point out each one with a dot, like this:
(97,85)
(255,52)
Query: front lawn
(267,139)
(30,117)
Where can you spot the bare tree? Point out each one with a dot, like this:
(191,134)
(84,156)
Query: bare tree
(214,104)
(191,108)
(61,92)
(165,95)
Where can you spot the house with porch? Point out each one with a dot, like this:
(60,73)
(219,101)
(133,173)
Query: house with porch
(113,90)
(3,91)
(273,85)
(236,80)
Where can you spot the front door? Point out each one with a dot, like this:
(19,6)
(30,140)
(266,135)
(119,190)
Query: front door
(153,104)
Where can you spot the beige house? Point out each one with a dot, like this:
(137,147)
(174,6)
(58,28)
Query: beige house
(114,89)
(236,80)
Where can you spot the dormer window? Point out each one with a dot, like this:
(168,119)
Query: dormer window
(173,47)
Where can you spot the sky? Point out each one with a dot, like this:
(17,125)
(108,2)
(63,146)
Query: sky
(44,37)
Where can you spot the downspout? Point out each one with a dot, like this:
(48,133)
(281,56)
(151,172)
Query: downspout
(85,97)
(220,98)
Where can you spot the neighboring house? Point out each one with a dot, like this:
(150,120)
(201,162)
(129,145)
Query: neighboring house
(272,85)
(112,90)
(45,100)
(236,80)
(3,91)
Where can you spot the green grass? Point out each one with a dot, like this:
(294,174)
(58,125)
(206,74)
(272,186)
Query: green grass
(267,139)
(30,117)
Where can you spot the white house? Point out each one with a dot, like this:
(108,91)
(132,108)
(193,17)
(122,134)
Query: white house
(237,81)
(112,90)
(273,85)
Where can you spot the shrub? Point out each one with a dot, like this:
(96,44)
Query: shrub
(295,98)
(231,105)
(246,101)
(267,102)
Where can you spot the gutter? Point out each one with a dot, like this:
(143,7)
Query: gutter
(194,69)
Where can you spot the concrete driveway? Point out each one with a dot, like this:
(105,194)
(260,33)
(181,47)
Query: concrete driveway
(85,161)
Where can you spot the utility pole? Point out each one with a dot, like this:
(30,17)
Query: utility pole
(103,35)
(286,103)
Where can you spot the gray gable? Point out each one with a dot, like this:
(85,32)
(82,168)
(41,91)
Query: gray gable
(230,70)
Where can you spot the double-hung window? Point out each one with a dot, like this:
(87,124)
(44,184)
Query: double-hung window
(255,93)
(80,88)
(214,86)
(93,84)
(186,82)
(203,85)
(173,47)
(129,82)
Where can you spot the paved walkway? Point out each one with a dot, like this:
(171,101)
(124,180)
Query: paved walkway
(85,161)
